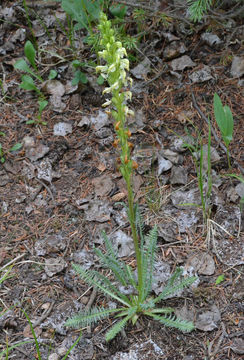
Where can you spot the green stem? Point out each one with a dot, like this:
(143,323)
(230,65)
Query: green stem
(132,219)
(228,158)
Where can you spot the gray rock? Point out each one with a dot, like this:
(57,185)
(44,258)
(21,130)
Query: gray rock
(122,243)
(173,50)
(211,39)
(237,66)
(170,155)
(142,69)
(62,129)
(182,63)
(201,75)
(202,263)
(163,165)
(178,175)
(54,266)
(208,320)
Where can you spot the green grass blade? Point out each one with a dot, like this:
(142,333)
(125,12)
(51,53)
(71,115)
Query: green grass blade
(72,346)
(7,351)
(34,335)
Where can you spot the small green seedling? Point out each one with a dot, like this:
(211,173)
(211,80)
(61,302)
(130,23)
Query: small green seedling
(38,121)
(16,147)
(196,150)
(220,279)
(22,65)
(79,76)
(224,119)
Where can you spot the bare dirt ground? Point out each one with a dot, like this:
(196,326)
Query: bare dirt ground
(61,188)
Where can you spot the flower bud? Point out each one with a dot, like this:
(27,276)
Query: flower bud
(134,165)
(117,126)
(115,143)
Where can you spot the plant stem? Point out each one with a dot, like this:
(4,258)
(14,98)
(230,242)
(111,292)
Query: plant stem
(228,157)
(132,219)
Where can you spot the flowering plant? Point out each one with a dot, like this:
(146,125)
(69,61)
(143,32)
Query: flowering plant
(131,290)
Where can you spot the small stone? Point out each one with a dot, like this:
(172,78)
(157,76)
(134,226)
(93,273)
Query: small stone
(54,266)
(201,75)
(202,263)
(237,66)
(211,39)
(163,165)
(62,129)
(173,50)
(142,69)
(237,346)
(53,356)
(182,63)
(178,175)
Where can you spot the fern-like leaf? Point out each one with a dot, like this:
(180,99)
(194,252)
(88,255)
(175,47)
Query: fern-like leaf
(100,282)
(86,318)
(120,324)
(113,265)
(173,321)
(173,287)
(148,260)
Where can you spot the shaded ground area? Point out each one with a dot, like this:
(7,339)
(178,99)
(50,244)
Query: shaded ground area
(61,189)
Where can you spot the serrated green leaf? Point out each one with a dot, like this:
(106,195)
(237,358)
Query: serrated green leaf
(2,133)
(16,147)
(30,53)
